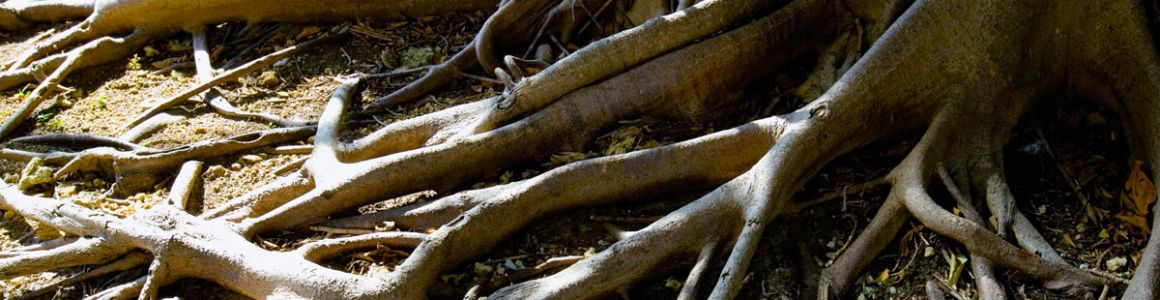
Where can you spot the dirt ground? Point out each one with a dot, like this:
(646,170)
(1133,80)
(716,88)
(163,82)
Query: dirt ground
(1086,142)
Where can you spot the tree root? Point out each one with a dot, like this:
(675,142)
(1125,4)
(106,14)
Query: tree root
(231,75)
(113,17)
(99,51)
(963,86)
(575,71)
(82,140)
(322,200)
(985,282)
(18,14)
(144,164)
(325,249)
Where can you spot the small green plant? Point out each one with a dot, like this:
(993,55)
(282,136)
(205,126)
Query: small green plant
(44,117)
(56,123)
(23,93)
(134,63)
(101,101)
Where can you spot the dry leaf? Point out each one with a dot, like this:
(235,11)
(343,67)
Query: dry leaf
(1135,220)
(1139,194)
(1139,190)
(307,31)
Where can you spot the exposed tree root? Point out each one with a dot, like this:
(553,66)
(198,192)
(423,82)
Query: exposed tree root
(17,14)
(985,282)
(231,75)
(113,17)
(142,164)
(964,88)
(99,51)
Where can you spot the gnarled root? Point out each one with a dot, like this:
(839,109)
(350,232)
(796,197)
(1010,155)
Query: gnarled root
(963,86)
(109,18)
(144,164)
(565,123)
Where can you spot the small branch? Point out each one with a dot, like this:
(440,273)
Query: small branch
(616,219)
(140,132)
(333,230)
(188,179)
(233,74)
(129,261)
(291,150)
(700,268)
(321,250)
(78,139)
(1076,189)
(397,73)
(860,188)
(554,263)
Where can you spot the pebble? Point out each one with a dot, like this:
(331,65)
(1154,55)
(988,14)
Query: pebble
(268,79)
(215,172)
(251,159)
(35,173)
(1116,263)
(65,190)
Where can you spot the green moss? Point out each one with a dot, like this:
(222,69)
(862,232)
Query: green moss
(417,57)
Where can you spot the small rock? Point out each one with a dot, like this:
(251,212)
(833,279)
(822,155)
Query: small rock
(673,284)
(251,159)
(510,265)
(235,166)
(268,79)
(65,190)
(928,251)
(98,183)
(481,269)
(1116,263)
(35,173)
(11,178)
(215,172)
(282,63)
(64,103)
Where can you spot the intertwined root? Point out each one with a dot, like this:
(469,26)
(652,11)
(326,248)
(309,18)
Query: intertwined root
(966,88)
(112,30)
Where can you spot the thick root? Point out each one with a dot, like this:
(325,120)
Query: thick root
(18,14)
(144,165)
(545,131)
(964,86)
